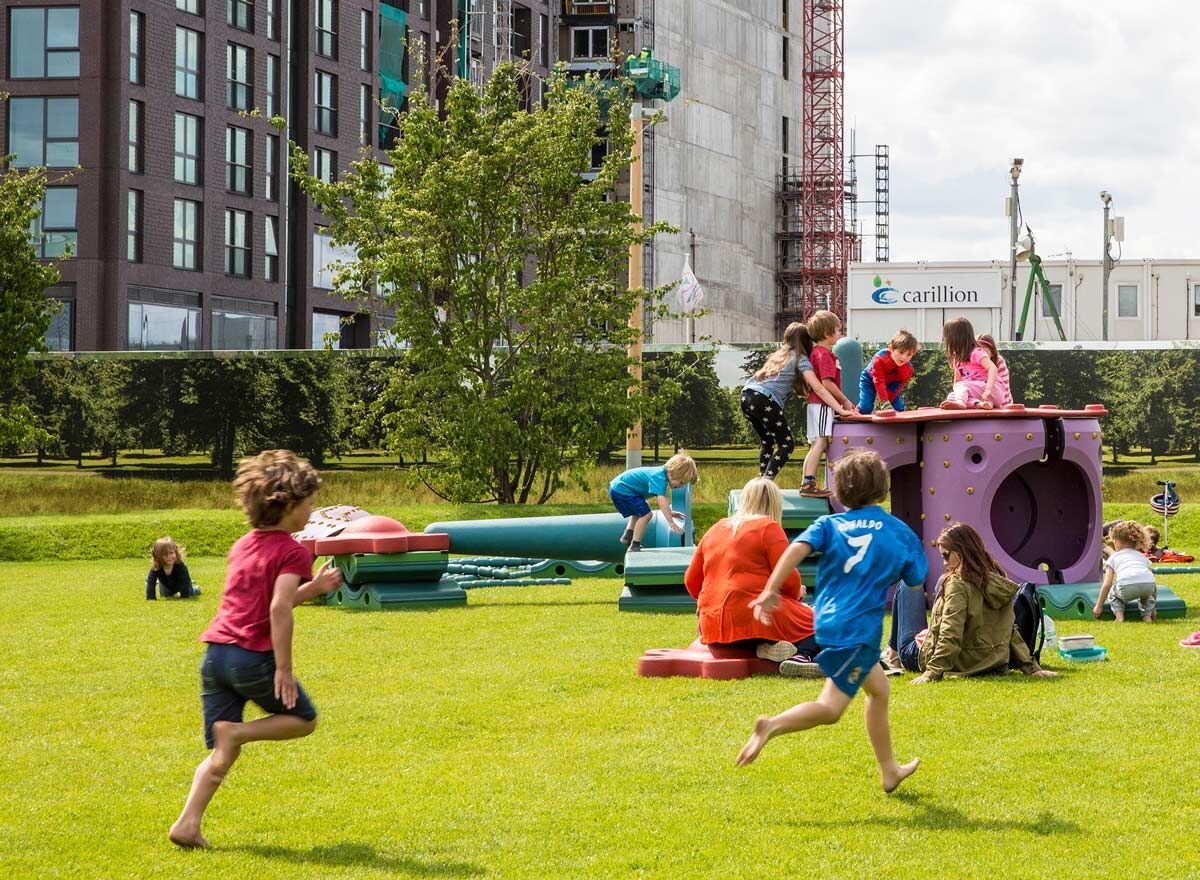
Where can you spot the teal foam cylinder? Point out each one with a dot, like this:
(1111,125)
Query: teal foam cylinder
(581,536)
(849,353)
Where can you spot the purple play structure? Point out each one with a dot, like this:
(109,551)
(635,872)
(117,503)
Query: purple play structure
(1028,480)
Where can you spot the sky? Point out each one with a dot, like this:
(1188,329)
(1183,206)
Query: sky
(1093,94)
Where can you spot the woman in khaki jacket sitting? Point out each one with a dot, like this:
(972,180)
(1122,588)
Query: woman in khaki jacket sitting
(971,628)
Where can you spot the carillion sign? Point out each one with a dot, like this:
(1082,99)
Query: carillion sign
(914,289)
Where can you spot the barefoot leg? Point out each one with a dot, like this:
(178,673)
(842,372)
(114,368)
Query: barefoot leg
(876,716)
(207,779)
(826,709)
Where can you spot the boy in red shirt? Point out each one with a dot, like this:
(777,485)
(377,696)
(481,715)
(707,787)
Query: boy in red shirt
(249,654)
(823,328)
(887,373)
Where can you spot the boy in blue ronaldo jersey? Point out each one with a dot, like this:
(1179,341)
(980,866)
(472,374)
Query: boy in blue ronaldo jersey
(863,551)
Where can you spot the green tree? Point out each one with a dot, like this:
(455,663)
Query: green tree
(25,311)
(505,268)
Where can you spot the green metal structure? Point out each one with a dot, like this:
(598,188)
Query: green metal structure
(1036,273)
(652,78)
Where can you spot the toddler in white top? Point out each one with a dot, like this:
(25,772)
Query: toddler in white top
(1127,574)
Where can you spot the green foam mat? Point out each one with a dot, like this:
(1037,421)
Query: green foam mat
(1075,602)
(798,512)
(368,568)
(394,596)
(662,566)
(656,598)
(577,568)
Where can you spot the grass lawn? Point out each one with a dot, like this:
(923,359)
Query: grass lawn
(512,738)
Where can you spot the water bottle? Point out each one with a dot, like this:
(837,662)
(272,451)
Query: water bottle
(1051,633)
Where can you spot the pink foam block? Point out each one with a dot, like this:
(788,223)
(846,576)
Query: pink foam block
(376,534)
(720,662)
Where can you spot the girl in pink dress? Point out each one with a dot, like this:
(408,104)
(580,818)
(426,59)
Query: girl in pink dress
(976,375)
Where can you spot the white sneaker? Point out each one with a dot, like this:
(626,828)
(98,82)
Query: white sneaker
(776,652)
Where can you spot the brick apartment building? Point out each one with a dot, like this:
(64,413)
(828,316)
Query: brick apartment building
(184,230)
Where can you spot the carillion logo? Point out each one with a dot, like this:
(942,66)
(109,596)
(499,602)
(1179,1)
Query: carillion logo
(884,293)
(938,294)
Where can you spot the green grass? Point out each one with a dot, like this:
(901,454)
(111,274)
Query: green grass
(512,739)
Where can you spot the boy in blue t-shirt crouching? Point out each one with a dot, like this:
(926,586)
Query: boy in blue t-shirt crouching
(630,489)
(863,552)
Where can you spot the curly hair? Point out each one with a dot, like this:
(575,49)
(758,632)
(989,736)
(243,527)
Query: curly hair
(1131,534)
(269,483)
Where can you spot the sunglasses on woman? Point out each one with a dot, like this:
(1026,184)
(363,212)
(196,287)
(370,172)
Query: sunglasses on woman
(945,555)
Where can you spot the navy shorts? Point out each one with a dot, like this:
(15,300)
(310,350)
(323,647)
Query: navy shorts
(627,504)
(848,667)
(229,676)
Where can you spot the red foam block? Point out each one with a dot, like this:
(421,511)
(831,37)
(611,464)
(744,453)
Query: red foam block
(1012,411)
(376,534)
(720,662)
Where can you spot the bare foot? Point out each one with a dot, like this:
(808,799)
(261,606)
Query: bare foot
(756,742)
(188,838)
(951,404)
(892,782)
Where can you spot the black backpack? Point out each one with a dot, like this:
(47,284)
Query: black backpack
(1030,621)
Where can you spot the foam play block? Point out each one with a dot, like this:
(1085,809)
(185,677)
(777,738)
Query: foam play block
(798,512)
(656,597)
(396,596)
(1075,602)
(719,662)
(658,566)
(418,565)
(1012,411)
(375,534)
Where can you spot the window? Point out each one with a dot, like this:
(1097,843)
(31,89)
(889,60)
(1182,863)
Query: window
(1056,296)
(237,160)
(324,162)
(133,227)
(186,240)
(43,43)
(271,249)
(787,51)
(544,39)
(364,40)
(43,131)
(272,85)
(192,6)
(272,20)
(137,33)
(60,336)
(327,28)
(239,93)
(589,43)
(187,63)
(240,14)
(326,330)
(271,169)
(135,161)
(1127,301)
(364,115)
(243,324)
(187,148)
(237,243)
(157,327)
(54,230)
(1196,301)
(325,112)
(421,7)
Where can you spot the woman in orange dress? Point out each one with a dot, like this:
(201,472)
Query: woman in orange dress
(732,563)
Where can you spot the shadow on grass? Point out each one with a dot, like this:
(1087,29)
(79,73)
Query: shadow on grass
(928,814)
(366,856)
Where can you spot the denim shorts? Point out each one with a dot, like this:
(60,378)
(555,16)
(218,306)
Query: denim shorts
(229,676)
(848,667)
(628,504)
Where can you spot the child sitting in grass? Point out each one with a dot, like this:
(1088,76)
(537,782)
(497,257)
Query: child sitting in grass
(249,654)
(630,489)
(863,552)
(1127,574)
(168,571)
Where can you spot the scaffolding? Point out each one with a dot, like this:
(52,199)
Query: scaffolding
(812,198)
(502,31)
(883,248)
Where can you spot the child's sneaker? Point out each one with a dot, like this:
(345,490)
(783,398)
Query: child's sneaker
(797,668)
(627,536)
(812,490)
(776,652)
(635,546)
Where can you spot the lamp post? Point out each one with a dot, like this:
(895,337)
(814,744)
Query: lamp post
(1013,210)
(633,439)
(1106,266)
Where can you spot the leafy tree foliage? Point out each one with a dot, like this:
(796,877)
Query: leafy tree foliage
(505,268)
(25,311)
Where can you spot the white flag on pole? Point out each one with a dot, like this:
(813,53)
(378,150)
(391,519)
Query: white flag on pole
(689,292)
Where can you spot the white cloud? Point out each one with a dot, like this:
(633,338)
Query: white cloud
(1093,95)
